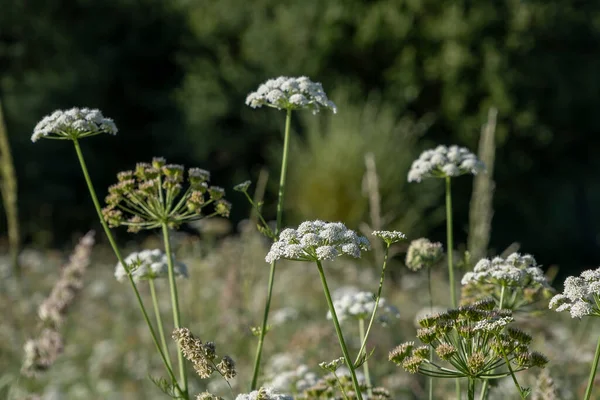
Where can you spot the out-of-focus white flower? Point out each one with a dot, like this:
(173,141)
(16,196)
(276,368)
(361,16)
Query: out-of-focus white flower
(291,94)
(149,264)
(72,124)
(514,271)
(581,295)
(444,161)
(283,315)
(317,241)
(264,394)
(360,305)
(423,253)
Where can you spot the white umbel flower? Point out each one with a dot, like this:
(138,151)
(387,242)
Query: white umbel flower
(317,241)
(75,123)
(423,253)
(360,305)
(515,271)
(444,161)
(149,264)
(264,394)
(581,295)
(290,93)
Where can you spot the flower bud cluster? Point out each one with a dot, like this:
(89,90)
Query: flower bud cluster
(73,124)
(149,264)
(523,281)
(291,94)
(203,355)
(422,253)
(154,194)
(581,295)
(360,305)
(450,335)
(317,241)
(443,162)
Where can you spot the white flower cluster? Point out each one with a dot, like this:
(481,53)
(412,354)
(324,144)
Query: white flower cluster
(581,295)
(423,253)
(390,237)
(360,305)
(73,124)
(291,377)
(515,270)
(264,394)
(317,240)
(493,325)
(291,93)
(149,264)
(443,162)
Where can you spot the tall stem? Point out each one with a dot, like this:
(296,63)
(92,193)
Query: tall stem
(282,179)
(590,386)
(430,386)
(450,239)
(159,322)
(338,331)
(471,389)
(174,302)
(120,258)
(361,331)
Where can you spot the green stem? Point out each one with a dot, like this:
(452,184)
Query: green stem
(484,388)
(338,331)
(174,303)
(282,179)
(120,258)
(361,331)
(379,290)
(430,386)
(450,239)
(502,292)
(159,322)
(512,373)
(588,391)
(471,389)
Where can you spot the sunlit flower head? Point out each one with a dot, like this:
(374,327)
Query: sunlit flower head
(444,161)
(581,295)
(515,271)
(390,237)
(317,241)
(73,124)
(149,264)
(291,94)
(360,305)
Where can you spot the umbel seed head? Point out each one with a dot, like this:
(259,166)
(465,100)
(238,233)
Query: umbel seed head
(73,124)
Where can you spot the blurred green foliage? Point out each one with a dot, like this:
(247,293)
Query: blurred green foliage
(174,76)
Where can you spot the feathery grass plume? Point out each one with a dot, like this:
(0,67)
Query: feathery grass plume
(149,264)
(422,253)
(9,189)
(263,394)
(513,282)
(544,387)
(481,208)
(42,351)
(360,305)
(286,93)
(581,295)
(153,194)
(203,355)
(73,124)
(500,351)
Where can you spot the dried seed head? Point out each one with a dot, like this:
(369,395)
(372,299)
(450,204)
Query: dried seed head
(400,352)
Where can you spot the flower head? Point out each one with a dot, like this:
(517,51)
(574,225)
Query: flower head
(516,270)
(390,237)
(263,394)
(291,94)
(581,295)
(443,162)
(149,264)
(73,124)
(317,241)
(360,305)
(423,253)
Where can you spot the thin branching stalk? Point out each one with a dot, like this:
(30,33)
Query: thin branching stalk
(512,373)
(120,258)
(8,186)
(590,385)
(280,198)
(338,331)
(430,386)
(361,331)
(485,387)
(159,322)
(174,303)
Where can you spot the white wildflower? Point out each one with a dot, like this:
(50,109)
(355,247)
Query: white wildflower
(72,124)
(390,237)
(581,295)
(443,162)
(149,264)
(291,94)
(317,241)
(514,271)
(263,394)
(423,253)
(360,305)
